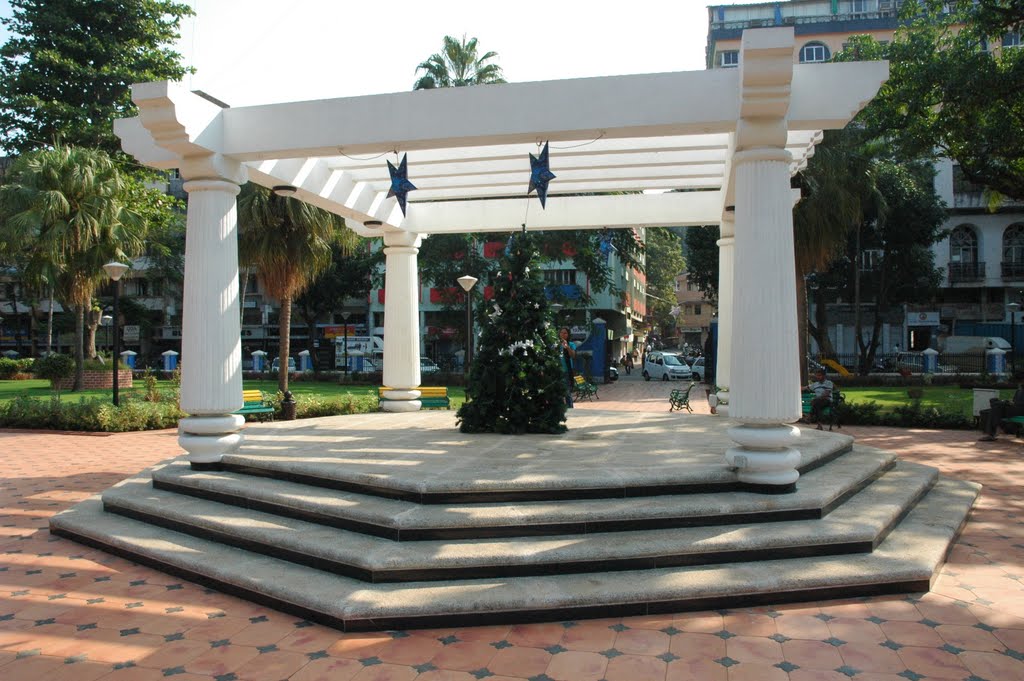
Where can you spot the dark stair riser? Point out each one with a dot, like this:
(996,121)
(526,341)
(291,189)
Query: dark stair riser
(501,496)
(653,607)
(492,571)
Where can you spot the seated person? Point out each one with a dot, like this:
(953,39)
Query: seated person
(822,389)
(998,410)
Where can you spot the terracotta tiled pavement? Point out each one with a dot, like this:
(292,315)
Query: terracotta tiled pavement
(71,612)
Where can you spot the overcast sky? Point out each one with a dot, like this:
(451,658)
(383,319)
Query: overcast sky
(261,51)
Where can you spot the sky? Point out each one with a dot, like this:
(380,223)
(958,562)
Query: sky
(262,51)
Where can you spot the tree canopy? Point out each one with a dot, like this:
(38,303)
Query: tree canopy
(66,70)
(456,65)
(953,89)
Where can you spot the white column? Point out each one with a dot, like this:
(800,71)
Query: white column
(211,356)
(726,276)
(764,362)
(401,321)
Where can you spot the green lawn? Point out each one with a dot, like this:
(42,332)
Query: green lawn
(41,389)
(945,398)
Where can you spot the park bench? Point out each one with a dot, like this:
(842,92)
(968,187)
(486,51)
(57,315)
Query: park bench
(680,398)
(583,389)
(430,397)
(253,402)
(829,412)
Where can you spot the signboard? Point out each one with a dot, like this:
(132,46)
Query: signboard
(923,318)
(130,333)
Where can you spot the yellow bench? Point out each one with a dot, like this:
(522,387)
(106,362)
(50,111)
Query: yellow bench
(253,402)
(430,396)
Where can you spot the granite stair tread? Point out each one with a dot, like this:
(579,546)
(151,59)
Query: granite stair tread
(856,525)
(906,560)
(817,492)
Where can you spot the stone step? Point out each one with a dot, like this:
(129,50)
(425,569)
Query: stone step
(856,526)
(905,561)
(428,462)
(818,492)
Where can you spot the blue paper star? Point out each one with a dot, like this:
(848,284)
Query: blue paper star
(400,184)
(540,175)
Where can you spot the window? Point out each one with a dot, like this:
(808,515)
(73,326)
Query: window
(1011,39)
(963,245)
(812,53)
(870,259)
(961,185)
(696,309)
(1013,251)
(729,58)
(559,277)
(859,6)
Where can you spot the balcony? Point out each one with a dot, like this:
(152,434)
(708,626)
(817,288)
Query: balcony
(1013,270)
(965,272)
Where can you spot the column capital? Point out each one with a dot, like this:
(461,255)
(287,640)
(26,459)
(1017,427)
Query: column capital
(213,167)
(402,238)
(726,241)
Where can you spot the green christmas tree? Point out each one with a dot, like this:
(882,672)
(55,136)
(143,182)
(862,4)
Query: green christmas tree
(516,384)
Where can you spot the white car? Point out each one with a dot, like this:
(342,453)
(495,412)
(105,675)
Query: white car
(697,369)
(427,366)
(277,364)
(665,366)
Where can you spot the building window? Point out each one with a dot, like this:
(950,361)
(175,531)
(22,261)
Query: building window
(859,6)
(1013,251)
(1011,39)
(559,277)
(963,245)
(870,259)
(729,58)
(696,310)
(813,53)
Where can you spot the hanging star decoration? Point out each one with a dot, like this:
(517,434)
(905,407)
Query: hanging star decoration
(400,184)
(540,175)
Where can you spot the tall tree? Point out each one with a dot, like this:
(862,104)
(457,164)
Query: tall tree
(458,64)
(664,262)
(66,70)
(289,242)
(351,274)
(702,259)
(953,90)
(69,207)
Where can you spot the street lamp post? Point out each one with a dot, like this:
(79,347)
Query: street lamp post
(114,270)
(344,318)
(467,282)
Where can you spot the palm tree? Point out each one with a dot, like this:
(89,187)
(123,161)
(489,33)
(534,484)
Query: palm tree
(456,65)
(838,187)
(289,243)
(65,210)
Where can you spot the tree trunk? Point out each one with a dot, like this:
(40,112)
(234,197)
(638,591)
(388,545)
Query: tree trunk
(861,369)
(92,324)
(49,324)
(801,325)
(79,348)
(17,319)
(284,332)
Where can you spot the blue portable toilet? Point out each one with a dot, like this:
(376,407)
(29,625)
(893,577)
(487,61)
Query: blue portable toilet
(995,361)
(259,360)
(170,360)
(305,361)
(128,357)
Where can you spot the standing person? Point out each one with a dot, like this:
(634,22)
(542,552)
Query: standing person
(628,362)
(822,389)
(568,352)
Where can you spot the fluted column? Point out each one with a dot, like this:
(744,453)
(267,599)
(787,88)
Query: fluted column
(764,363)
(726,275)
(401,322)
(211,357)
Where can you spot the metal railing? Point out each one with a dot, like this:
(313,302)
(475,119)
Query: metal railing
(966,271)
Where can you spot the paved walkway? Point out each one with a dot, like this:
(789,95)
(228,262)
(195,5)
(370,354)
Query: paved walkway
(71,612)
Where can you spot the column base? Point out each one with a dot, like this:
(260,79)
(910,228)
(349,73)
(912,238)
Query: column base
(764,457)
(400,405)
(208,438)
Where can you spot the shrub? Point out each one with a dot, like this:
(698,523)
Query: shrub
(91,415)
(17,369)
(55,367)
(912,415)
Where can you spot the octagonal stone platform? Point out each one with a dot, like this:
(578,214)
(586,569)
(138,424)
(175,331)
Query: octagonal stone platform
(398,520)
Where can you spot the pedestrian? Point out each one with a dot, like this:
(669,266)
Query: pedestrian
(567,350)
(628,363)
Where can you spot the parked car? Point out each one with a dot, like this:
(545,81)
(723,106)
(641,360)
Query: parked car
(666,366)
(697,369)
(276,365)
(427,366)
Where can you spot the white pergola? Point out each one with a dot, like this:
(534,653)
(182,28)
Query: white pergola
(730,139)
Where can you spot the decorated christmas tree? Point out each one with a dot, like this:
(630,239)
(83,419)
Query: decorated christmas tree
(516,384)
